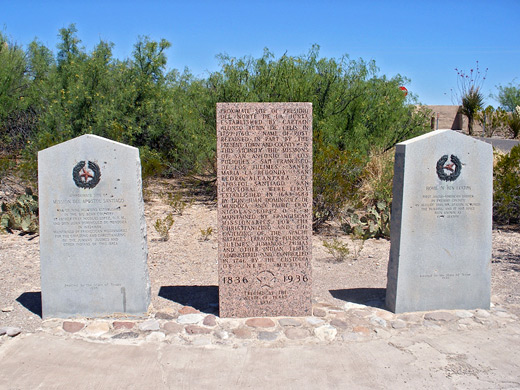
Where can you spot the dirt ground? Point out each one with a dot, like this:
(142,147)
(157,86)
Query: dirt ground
(188,259)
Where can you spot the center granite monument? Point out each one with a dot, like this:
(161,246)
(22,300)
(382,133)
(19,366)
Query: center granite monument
(264,208)
(440,255)
(93,249)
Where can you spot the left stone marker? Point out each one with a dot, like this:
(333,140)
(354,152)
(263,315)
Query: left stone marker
(93,250)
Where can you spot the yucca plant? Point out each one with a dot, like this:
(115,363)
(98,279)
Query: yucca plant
(472,102)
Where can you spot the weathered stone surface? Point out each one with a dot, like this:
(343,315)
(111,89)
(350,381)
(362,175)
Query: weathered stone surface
(378,321)
(7,309)
(440,316)
(164,316)
(221,334)
(464,314)
(297,333)
(325,332)
(398,324)
(72,326)
(314,321)
(10,331)
(264,183)
(190,318)
(97,328)
(362,330)
(126,335)
(242,332)
(172,327)
(441,224)
(289,322)
(149,325)
(188,310)
(260,323)
(195,329)
(341,324)
(123,325)
(93,248)
(482,313)
(210,320)
(267,336)
(319,312)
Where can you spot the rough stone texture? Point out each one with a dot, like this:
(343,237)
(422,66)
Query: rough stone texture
(126,335)
(11,331)
(172,327)
(164,316)
(267,336)
(289,322)
(188,310)
(93,247)
(7,309)
(482,313)
(362,329)
(123,325)
(149,325)
(97,328)
(314,321)
(337,323)
(264,182)
(155,337)
(242,333)
(440,316)
(325,332)
(463,314)
(441,224)
(378,321)
(195,329)
(72,326)
(319,312)
(398,324)
(260,323)
(210,320)
(296,333)
(190,318)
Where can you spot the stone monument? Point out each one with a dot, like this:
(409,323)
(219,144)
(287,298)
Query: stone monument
(264,208)
(93,249)
(440,255)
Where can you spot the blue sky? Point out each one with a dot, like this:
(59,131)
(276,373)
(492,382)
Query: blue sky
(422,40)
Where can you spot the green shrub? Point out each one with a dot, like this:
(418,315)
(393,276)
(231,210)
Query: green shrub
(506,199)
(163,226)
(371,223)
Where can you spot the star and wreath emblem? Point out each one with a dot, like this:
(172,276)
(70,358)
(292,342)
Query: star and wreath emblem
(86,174)
(448,170)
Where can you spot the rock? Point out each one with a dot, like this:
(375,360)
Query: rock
(411,317)
(442,316)
(325,332)
(190,318)
(314,321)
(463,314)
(72,326)
(7,309)
(382,333)
(267,336)
(149,325)
(362,330)
(97,328)
(172,327)
(337,323)
(351,336)
(378,321)
(352,305)
(163,316)
(51,324)
(319,312)
(398,324)
(386,315)
(123,325)
(242,333)
(195,329)
(502,314)
(10,331)
(188,310)
(289,322)
(260,323)
(431,325)
(210,320)
(482,313)
(155,337)
(221,334)
(296,333)
(126,335)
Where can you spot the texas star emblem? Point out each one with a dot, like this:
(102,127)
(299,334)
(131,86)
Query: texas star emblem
(86,175)
(449,171)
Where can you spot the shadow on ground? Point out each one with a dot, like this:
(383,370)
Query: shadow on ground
(32,301)
(202,298)
(374,297)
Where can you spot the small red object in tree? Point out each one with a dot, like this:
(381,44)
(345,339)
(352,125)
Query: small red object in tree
(404,90)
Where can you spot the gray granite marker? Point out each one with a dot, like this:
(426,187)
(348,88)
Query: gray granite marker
(93,248)
(440,256)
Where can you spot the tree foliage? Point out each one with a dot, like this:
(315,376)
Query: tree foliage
(509,96)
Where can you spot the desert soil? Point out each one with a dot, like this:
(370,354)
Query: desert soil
(187,259)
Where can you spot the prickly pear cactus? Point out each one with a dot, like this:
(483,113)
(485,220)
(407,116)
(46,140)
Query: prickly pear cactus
(22,214)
